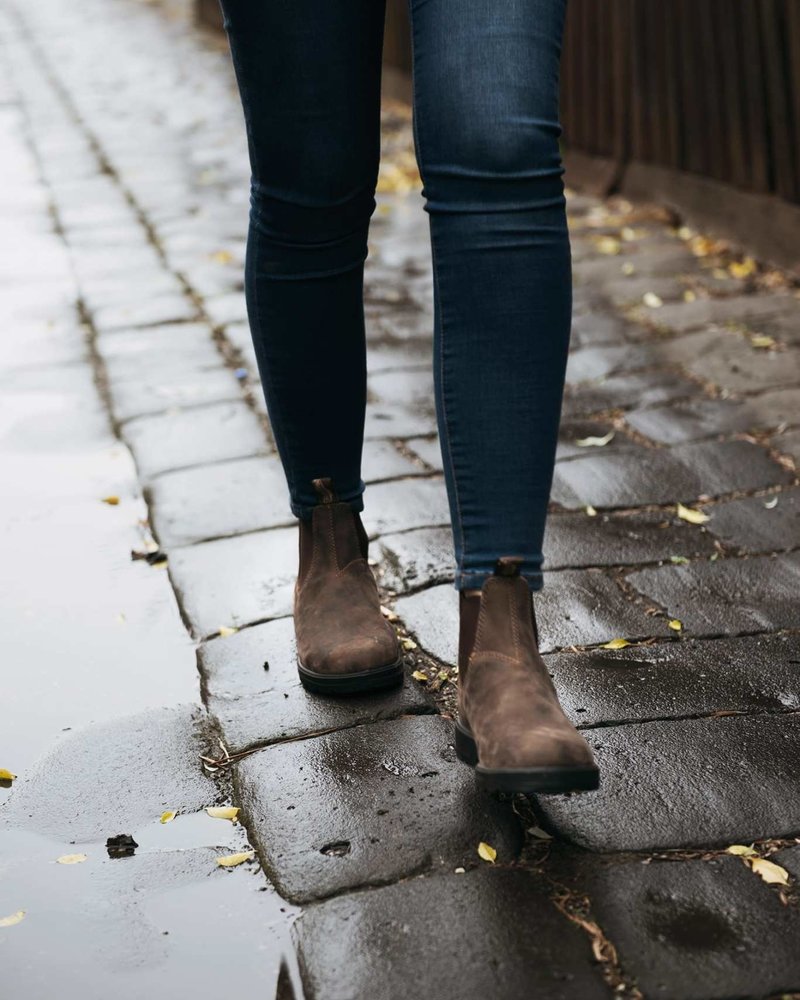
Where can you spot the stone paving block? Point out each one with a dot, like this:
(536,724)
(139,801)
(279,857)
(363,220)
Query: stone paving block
(788,444)
(495,932)
(750,309)
(694,419)
(572,431)
(622,391)
(671,680)
(576,540)
(229,307)
(146,312)
(667,475)
(429,450)
(213,501)
(575,608)
(753,526)
(394,356)
(405,504)
(388,420)
(589,363)
(159,391)
(685,783)
(412,559)
(130,355)
(256,705)
(789,858)
(367,806)
(698,930)
(727,597)
(595,328)
(235,581)
(381,460)
(727,359)
(196,436)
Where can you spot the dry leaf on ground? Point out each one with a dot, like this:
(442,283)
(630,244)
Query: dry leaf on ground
(616,644)
(168,816)
(691,515)
(12,918)
(71,859)
(769,871)
(224,812)
(232,860)
(487,852)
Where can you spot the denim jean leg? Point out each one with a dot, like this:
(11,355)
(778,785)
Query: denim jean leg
(486,93)
(309,81)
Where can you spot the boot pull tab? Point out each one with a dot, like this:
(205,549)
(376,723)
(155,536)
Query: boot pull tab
(508,566)
(324,490)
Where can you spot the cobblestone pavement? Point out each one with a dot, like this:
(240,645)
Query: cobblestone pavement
(670,615)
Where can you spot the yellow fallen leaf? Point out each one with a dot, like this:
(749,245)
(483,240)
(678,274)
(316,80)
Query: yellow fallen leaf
(691,515)
(628,233)
(675,625)
(13,918)
(769,871)
(742,269)
(590,511)
(608,245)
(224,812)
(595,442)
(689,295)
(71,859)
(232,860)
(112,501)
(763,341)
(616,644)
(628,269)
(771,504)
(408,643)
(222,257)
(6,775)
(388,614)
(418,675)
(740,850)
(652,301)
(168,816)
(487,852)
(226,630)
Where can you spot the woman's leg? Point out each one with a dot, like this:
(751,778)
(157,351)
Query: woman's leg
(486,129)
(309,79)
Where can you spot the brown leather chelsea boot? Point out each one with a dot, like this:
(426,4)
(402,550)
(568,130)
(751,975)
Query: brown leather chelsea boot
(511,726)
(344,644)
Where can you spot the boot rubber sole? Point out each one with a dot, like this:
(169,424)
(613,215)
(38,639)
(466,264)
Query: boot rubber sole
(525,780)
(358,682)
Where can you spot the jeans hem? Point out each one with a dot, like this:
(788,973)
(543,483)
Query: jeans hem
(474,580)
(304,511)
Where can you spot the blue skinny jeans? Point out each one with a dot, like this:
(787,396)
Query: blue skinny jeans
(486,131)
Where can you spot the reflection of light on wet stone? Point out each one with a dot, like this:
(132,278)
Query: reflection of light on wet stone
(403,770)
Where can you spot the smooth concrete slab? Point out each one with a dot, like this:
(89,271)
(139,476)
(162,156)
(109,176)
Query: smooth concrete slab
(368,806)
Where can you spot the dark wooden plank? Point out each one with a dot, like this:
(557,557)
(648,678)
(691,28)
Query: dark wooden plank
(784,174)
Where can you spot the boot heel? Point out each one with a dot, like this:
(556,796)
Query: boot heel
(466,748)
